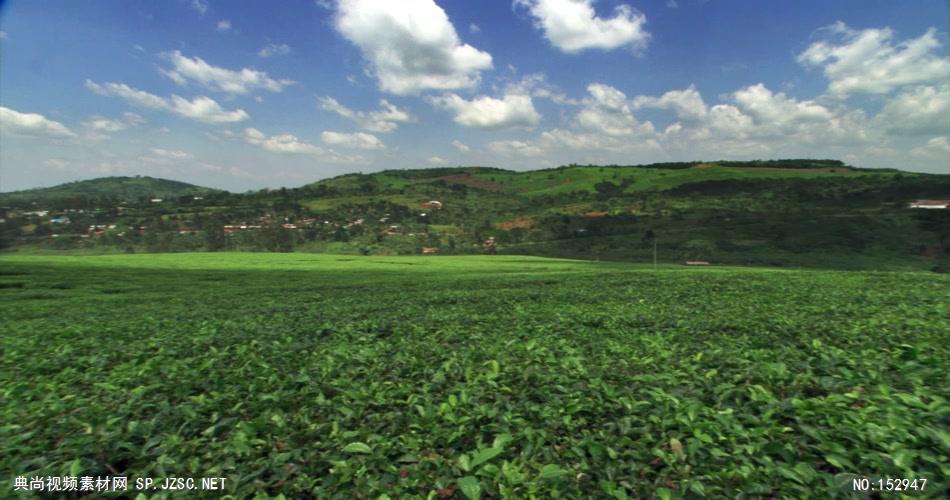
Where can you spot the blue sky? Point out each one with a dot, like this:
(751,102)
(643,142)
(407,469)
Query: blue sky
(244,95)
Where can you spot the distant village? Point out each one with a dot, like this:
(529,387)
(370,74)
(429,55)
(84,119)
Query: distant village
(157,224)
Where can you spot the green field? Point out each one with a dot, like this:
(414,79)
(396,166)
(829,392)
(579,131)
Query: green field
(315,376)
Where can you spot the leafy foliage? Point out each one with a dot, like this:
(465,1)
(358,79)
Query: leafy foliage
(318,376)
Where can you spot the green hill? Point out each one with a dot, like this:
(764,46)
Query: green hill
(810,213)
(104,188)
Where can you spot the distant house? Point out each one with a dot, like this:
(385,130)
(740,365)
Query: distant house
(156,200)
(490,245)
(697,263)
(938,204)
(60,220)
(433,204)
(429,250)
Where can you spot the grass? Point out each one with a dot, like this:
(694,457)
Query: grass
(326,376)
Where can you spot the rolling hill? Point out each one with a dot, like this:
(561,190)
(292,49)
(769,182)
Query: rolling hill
(811,213)
(111,188)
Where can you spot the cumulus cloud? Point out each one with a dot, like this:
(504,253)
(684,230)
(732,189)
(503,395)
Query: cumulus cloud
(199,6)
(357,140)
(102,124)
(937,146)
(32,124)
(223,25)
(171,154)
(285,143)
(597,142)
(436,160)
(274,49)
(460,146)
(201,108)
(290,144)
(98,127)
(205,109)
(870,61)
(410,45)
(573,26)
(511,111)
(133,96)
(921,110)
(384,120)
(607,111)
(514,148)
(185,69)
(687,103)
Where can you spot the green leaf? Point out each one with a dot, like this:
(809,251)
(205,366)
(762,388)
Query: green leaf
(501,441)
(484,456)
(471,487)
(357,447)
(465,463)
(677,448)
(664,493)
(75,468)
(903,458)
(700,435)
(838,461)
(552,471)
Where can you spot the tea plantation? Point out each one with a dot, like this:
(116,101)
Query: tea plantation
(320,376)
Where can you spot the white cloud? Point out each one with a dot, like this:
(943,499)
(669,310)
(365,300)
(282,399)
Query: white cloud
(98,126)
(132,119)
(511,111)
(206,109)
(243,81)
(358,140)
(937,146)
(435,160)
(133,96)
(102,124)
(919,110)
(474,29)
(223,25)
(274,49)
(536,85)
(384,120)
(672,4)
(768,107)
(598,142)
(32,124)
(3,35)
(573,26)
(410,45)
(171,154)
(201,108)
(869,61)
(514,148)
(460,146)
(285,143)
(607,111)
(290,144)
(686,103)
(199,6)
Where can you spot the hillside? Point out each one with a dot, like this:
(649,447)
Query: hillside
(809,213)
(104,188)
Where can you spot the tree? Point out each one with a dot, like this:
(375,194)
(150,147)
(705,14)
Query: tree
(696,250)
(215,237)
